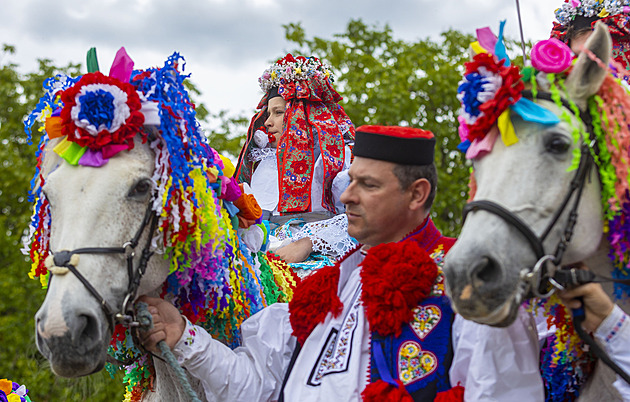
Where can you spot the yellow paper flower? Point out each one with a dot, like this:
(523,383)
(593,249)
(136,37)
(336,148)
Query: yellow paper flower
(13,398)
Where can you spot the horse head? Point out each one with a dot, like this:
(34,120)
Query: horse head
(129,199)
(523,204)
(93,207)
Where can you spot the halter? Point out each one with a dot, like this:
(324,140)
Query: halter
(63,262)
(535,276)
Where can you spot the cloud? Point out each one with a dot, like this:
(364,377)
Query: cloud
(228,43)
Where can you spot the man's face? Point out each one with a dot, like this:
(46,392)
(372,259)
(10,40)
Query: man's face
(377,208)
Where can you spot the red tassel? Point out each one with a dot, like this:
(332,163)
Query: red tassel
(395,278)
(455,394)
(380,391)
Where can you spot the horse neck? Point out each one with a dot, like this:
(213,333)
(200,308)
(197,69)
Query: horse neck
(601,265)
(167,386)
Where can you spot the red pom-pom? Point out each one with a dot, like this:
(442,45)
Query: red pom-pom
(380,391)
(395,277)
(455,394)
(313,299)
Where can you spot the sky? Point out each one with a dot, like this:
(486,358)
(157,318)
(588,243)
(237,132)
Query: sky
(227,44)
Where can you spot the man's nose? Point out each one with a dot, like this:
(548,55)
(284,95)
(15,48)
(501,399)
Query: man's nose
(346,196)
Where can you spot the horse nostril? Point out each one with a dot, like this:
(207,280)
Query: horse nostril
(85,330)
(486,270)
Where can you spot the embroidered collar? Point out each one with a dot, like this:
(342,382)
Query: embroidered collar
(395,278)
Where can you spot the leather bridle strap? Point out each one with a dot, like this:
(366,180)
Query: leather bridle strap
(63,259)
(510,218)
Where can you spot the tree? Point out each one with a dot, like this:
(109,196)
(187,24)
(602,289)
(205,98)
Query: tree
(389,81)
(21,297)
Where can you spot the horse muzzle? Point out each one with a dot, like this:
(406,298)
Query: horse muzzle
(480,290)
(75,346)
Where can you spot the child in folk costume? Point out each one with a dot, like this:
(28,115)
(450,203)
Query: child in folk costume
(296,159)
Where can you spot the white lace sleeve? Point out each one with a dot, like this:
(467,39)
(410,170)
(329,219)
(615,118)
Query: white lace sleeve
(329,237)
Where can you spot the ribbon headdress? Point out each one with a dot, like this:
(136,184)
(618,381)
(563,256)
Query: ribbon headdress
(313,116)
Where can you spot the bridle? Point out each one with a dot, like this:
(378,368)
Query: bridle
(63,263)
(539,279)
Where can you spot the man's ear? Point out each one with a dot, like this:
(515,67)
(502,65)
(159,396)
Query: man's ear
(420,190)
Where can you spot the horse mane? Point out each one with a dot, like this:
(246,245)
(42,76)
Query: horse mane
(214,280)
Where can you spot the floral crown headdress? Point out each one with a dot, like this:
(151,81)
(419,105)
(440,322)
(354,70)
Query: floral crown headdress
(590,8)
(291,69)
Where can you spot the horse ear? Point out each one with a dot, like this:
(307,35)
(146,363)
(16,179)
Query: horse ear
(588,74)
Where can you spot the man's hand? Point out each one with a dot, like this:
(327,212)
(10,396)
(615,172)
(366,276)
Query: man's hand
(168,324)
(597,304)
(297,251)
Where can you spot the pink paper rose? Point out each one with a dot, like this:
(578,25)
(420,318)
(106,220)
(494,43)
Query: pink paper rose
(551,56)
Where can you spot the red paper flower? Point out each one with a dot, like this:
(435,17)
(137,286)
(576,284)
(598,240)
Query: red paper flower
(482,114)
(99,111)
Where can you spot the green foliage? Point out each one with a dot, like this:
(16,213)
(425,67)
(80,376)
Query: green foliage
(21,297)
(389,81)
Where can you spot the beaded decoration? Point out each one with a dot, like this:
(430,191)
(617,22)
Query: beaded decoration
(214,280)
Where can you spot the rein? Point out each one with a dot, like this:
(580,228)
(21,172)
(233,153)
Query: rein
(556,279)
(61,262)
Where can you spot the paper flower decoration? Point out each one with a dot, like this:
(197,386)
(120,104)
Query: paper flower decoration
(100,110)
(487,90)
(290,69)
(13,392)
(551,56)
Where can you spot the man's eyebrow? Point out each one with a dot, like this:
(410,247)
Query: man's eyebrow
(361,177)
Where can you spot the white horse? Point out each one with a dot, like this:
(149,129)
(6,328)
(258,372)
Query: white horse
(486,270)
(157,208)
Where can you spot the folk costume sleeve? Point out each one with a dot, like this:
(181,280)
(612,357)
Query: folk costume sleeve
(329,237)
(497,364)
(614,334)
(253,371)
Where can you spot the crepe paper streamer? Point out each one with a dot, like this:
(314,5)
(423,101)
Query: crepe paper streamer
(122,66)
(486,39)
(70,151)
(92,158)
(53,127)
(479,148)
(532,112)
(92,61)
(499,49)
(507,129)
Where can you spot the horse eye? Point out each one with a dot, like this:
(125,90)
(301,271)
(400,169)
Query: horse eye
(141,188)
(557,144)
